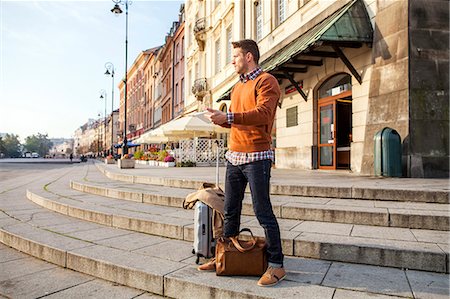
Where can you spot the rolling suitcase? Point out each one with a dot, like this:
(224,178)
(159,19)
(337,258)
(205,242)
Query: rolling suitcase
(204,243)
(203,238)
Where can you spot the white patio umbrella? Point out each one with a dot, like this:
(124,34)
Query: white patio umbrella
(153,136)
(192,125)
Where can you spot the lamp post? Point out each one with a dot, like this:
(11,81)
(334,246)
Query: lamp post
(110,71)
(117,10)
(103,95)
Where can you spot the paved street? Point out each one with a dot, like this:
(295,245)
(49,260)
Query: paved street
(23,276)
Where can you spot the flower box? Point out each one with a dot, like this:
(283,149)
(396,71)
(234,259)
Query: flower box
(166,164)
(110,161)
(125,163)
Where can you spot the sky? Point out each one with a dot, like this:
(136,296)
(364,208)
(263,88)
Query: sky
(53,55)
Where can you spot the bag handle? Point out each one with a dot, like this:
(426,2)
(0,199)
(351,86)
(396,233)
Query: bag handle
(238,246)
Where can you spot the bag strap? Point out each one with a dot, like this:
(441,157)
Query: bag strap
(238,246)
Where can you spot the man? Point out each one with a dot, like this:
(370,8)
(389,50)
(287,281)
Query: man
(251,115)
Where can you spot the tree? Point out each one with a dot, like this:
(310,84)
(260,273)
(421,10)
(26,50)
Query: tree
(10,146)
(2,148)
(38,143)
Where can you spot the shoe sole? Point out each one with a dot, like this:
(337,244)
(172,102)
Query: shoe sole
(272,284)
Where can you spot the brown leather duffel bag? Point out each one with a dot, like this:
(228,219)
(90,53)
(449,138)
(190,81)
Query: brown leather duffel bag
(237,257)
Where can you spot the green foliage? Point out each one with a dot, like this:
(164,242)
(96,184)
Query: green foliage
(138,155)
(186,164)
(38,143)
(10,146)
(162,154)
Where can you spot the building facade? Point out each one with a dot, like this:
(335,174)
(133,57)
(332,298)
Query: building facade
(178,66)
(136,100)
(347,69)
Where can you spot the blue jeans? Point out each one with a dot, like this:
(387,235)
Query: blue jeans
(257,174)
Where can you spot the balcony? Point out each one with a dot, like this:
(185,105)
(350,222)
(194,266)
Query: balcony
(200,33)
(200,88)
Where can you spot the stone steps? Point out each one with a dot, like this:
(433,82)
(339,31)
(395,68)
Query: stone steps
(352,211)
(165,266)
(382,246)
(366,190)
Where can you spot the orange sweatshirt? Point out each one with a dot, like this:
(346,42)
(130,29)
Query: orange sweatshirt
(254,104)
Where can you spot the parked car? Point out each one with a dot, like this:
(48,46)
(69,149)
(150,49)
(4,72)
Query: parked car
(34,155)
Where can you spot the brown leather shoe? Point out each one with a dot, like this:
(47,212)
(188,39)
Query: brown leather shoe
(209,266)
(272,277)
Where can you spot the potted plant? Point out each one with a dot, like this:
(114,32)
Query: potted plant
(169,161)
(127,161)
(161,156)
(110,160)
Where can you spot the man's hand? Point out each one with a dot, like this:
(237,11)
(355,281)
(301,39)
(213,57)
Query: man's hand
(216,116)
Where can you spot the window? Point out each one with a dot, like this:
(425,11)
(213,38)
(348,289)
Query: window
(182,91)
(291,117)
(191,81)
(229,40)
(188,33)
(258,21)
(303,2)
(175,94)
(282,11)
(182,47)
(217,47)
(197,70)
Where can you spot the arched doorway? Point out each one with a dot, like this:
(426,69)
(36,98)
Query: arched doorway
(335,122)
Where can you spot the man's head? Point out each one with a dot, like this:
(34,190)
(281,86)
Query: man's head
(245,55)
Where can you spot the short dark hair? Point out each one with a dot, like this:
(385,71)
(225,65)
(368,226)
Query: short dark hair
(248,45)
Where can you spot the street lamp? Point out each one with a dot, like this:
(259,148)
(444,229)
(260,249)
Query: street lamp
(117,11)
(110,71)
(103,95)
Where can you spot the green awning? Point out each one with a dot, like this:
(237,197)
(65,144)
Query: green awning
(350,23)
(226,96)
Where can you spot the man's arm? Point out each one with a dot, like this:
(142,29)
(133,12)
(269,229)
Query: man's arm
(218,117)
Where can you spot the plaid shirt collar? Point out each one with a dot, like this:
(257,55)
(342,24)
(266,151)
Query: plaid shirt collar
(250,75)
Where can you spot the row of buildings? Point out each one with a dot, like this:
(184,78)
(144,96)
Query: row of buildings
(97,136)
(347,69)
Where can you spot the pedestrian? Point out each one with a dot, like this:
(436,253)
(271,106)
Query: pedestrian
(251,116)
(71,157)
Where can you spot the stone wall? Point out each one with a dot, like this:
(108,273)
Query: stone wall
(427,146)
(388,91)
